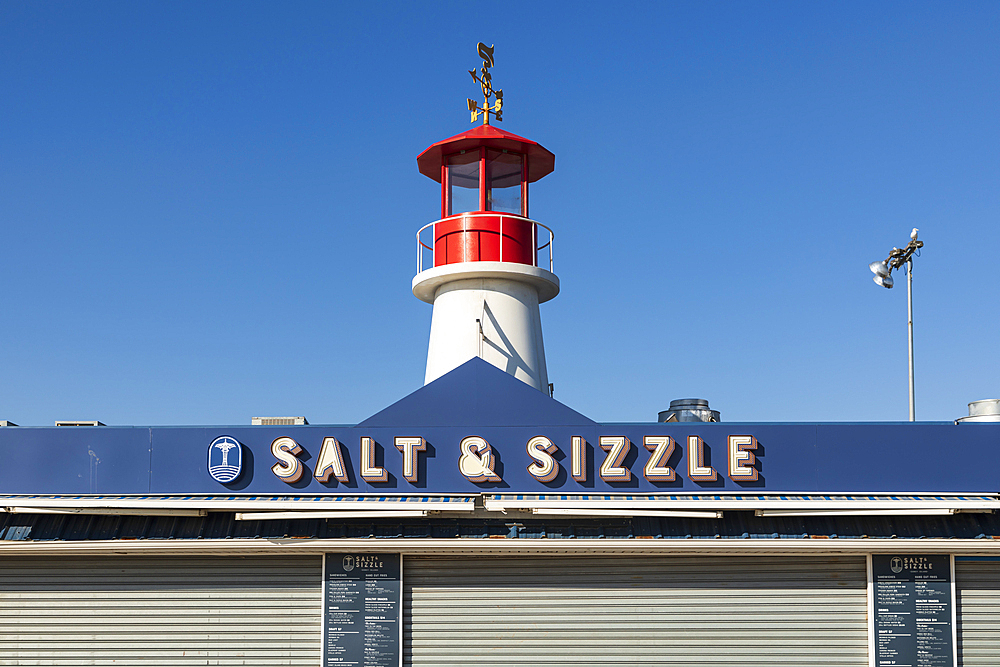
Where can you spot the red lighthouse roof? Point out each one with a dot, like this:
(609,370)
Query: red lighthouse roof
(541,161)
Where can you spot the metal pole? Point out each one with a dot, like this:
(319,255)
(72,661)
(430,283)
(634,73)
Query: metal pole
(909,312)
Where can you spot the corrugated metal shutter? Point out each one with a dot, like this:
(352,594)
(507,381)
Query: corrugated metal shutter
(978,584)
(160,611)
(624,610)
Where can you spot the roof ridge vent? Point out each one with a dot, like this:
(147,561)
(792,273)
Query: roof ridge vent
(279,421)
(689,410)
(985,410)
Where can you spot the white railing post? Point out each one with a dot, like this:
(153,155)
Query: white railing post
(501,237)
(551,235)
(534,244)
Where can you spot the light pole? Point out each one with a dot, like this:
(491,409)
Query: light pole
(883,276)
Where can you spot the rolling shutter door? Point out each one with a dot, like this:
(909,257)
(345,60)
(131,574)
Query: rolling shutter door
(635,610)
(978,584)
(160,611)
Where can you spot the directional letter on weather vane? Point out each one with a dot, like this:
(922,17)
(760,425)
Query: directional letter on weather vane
(484,79)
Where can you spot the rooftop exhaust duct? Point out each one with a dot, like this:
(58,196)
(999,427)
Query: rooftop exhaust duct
(689,410)
(986,410)
(279,421)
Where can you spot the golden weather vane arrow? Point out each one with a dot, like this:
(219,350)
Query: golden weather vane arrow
(485,80)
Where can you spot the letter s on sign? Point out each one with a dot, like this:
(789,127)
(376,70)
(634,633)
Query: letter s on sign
(288,468)
(544,468)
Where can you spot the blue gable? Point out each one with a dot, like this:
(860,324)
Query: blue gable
(476,394)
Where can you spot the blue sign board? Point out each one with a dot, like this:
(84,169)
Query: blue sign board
(477,429)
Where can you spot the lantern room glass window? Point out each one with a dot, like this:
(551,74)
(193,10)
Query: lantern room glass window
(503,182)
(463,182)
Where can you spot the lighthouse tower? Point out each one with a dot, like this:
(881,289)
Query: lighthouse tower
(485,265)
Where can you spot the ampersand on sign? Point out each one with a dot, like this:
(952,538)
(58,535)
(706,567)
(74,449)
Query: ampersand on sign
(477,461)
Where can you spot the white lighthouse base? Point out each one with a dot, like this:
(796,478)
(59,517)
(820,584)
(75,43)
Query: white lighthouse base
(487,310)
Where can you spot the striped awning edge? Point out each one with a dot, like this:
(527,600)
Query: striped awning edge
(761,504)
(153,504)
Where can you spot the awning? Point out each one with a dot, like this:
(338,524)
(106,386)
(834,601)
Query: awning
(701,506)
(707,506)
(245,507)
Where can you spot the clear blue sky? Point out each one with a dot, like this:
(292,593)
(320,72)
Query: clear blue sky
(207,210)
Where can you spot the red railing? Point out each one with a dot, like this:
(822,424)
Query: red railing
(483,237)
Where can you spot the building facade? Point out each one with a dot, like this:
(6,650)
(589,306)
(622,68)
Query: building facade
(480,521)
(516,531)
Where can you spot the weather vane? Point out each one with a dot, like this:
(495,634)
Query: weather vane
(484,79)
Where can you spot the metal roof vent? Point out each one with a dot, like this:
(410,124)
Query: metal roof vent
(79,423)
(279,421)
(689,410)
(986,410)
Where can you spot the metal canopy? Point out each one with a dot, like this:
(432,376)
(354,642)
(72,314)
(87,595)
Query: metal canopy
(762,505)
(254,508)
(307,506)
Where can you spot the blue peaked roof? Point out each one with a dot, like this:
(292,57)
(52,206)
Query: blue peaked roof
(477,394)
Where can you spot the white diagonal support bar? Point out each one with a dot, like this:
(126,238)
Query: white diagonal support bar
(586,512)
(344,514)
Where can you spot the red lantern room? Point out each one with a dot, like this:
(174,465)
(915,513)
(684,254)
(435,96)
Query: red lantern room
(484,175)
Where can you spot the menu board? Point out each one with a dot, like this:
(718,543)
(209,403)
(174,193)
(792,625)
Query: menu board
(914,610)
(362,603)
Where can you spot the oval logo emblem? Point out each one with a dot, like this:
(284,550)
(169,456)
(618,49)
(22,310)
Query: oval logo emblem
(225,459)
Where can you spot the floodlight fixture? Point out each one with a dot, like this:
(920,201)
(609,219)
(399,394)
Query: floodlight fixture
(883,276)
(885,282)
(879,269)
